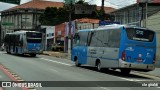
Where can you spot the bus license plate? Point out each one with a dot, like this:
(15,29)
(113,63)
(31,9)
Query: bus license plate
(139,60)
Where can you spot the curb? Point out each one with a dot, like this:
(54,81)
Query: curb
(45,54)
(56,56)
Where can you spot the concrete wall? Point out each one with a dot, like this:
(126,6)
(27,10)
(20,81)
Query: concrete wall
(81,25)
(153,23)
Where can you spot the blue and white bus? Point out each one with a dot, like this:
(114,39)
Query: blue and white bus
(117,47)
(24,42)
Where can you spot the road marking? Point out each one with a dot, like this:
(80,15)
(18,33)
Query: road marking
(157,87)
(53,70)
(10,76)
(104,88)
(56,62)
(146,75)
(132,79)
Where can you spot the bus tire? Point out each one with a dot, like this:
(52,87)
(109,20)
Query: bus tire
(76,62)
(113,69)
(98,65)
(125,71)
(8,52)
(33,55)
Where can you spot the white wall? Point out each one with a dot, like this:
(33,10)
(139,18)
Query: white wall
(50,34)
(86,25)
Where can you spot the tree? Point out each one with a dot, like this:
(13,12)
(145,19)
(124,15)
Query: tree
(53,16)
(81,2)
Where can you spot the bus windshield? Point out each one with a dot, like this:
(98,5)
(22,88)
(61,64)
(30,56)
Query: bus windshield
(34,37)
(140,34)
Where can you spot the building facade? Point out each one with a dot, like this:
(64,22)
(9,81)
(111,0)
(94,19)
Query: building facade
(86,23)
(25,16)
(135,14)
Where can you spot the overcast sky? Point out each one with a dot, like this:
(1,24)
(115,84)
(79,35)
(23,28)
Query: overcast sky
(110,3)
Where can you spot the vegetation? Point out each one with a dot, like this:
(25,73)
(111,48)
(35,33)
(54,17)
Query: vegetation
(54,16)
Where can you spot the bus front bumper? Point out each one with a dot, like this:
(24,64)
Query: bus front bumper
(35,52)
(136,66)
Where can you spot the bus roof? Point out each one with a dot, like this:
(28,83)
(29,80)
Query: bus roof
(25,31)
(113,26)
(119,26)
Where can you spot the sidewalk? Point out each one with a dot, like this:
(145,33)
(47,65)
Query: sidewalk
(56,54)
(155,72)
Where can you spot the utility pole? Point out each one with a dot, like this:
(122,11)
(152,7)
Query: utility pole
(146,16)
(70,26)
(69,3)
(102,10)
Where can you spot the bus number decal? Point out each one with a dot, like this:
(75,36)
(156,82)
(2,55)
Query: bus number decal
(139,32)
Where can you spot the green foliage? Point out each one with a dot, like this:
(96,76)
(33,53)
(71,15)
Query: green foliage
(53,16)
(80,2)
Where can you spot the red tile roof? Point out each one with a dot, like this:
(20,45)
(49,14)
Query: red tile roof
(42,4)
(39,4)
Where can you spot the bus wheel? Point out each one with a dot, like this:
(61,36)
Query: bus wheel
(59,49)
(125,71)
(33,55)
(113,69)
(98,65)
(77,64)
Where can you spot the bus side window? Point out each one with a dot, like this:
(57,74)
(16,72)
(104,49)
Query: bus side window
(76,39)
(114,38)
(21,40)
(100,38)
(93,39)
(83,38)
(105,38)
(17,40)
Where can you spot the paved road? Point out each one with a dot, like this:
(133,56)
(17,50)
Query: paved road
(46,68)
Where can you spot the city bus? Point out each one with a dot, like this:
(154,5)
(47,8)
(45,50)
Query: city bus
(24,42)
(115,47)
